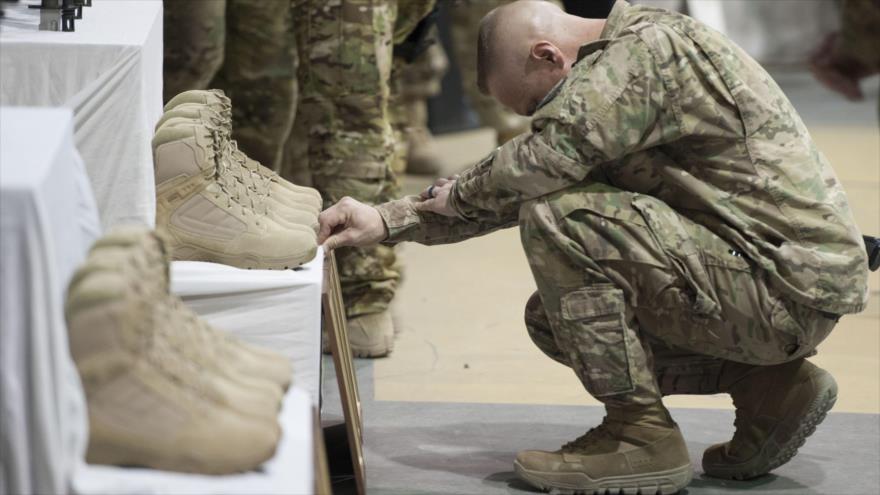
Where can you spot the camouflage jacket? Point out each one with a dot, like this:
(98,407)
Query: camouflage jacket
(665,106)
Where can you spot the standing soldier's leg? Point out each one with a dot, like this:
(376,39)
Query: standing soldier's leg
(466,16)
(259,76)
(411,86)
(345,55)
(195,34)
(622,277)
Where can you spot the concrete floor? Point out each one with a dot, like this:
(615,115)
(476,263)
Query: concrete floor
(466,389)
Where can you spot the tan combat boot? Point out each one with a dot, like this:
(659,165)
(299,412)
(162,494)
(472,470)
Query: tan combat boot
(250,366)
(285,211)
(220,103)
(371,335)
(148,406)
(423,156)
(635,450)
(207,215)
(302,198)
(777,408)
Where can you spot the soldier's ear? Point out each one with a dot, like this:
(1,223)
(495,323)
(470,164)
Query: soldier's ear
(547,52)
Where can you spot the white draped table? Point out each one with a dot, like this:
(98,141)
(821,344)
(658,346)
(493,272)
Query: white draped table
(109,72)
(48,223)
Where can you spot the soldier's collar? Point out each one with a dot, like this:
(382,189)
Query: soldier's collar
(613,24)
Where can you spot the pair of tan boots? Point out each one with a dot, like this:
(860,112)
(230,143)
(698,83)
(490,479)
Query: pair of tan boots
(165,390)
(216,204)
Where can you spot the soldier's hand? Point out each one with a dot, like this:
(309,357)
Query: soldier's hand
(436,198)
(350,223)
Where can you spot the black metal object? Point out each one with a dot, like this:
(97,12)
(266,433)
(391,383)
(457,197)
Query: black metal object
(872,246)
(68,14)
(592,9)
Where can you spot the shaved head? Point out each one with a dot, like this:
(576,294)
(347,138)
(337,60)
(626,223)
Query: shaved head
(525,47)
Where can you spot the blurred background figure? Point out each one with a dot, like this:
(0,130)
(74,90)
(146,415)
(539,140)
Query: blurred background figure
(847,56)
(247,49)
(464,28)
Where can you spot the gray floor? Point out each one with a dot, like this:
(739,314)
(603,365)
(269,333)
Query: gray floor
(449,448)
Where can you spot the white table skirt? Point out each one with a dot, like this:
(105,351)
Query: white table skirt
(290,471)
(109,72)
(49,220)
(277,309)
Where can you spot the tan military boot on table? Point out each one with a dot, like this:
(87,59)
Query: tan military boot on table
(777,408)
(371,335)
(219,102)
(147,406)
(172,325)
(634,450)
(250,366)
(251,186)
(306,199)
(207,216)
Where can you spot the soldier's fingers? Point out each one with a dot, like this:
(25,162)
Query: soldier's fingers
(329,219)
(342,239)
(441,182)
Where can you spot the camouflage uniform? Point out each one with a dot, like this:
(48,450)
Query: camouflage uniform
(247,49)
(345,56)
(466,16)
(674,210)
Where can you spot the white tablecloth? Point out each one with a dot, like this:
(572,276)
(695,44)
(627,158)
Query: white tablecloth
(290,472)
(277,309)
(109,72)
(48,220)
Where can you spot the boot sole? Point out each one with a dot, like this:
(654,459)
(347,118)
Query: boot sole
(378,350)
(245,261)
(778,450)
(660,482)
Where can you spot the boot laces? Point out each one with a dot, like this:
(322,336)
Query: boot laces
(235,191)
(591,437)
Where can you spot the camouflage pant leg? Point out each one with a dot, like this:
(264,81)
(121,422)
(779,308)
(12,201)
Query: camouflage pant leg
(616,270)
(676,371)
(295,160)
(194,38)
(345,51)
(259,75)
(411,86)
(466,16)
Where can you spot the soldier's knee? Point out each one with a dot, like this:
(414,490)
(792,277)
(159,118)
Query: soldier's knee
(538,326)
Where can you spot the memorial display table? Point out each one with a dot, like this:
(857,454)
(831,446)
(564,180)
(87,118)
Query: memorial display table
(109,72)
(49,221)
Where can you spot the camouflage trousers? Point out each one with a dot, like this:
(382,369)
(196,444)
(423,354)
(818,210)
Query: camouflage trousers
(247,49)
(346,50)
(642,302)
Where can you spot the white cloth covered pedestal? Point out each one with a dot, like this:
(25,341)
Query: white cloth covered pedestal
(49,221)
(109,72)
(291,471)
(278,309)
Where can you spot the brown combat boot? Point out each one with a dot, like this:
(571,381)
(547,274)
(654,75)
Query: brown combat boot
(777,408)
(637,449)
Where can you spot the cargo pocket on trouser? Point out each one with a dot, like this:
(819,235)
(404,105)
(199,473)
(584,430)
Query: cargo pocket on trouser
(675,241)
(598,345)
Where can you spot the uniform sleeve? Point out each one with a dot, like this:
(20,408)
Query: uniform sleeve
(405,223)
(607,109)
